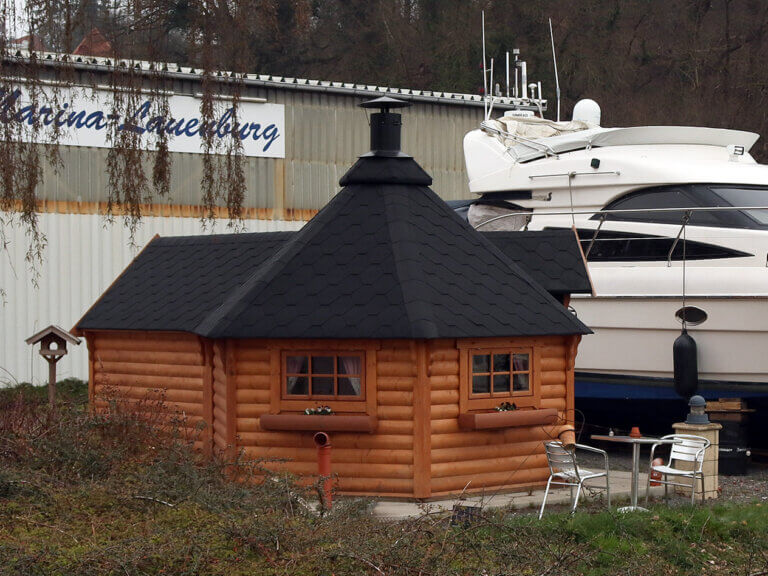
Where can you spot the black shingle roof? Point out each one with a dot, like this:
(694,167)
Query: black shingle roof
(552,257)
(381,260)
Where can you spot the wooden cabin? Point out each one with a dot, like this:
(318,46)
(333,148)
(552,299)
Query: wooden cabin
(386,307)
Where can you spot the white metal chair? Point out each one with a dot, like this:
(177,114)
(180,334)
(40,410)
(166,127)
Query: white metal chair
(687,448)
(564,471)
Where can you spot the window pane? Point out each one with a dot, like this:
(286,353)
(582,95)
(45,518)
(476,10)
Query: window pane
(747,197)
(520,382)
(350,365)
(481,363)
(349,386)
(520,362)
(501,362)
(500,383)
(298,385)
(296,365)
(322,386)
(481,384)
(322,364)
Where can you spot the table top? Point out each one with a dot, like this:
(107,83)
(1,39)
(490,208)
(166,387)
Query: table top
(633,440)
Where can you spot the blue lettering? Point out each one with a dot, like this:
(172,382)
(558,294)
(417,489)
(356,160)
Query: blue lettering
(59,122)
(189,129)
(94,120)
(271,133)
(45,114)
(76,118)
(132,124)
(223,128)
(155,124)
(27,113)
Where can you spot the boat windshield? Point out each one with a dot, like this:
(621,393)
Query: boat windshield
(738,196)
(694,196)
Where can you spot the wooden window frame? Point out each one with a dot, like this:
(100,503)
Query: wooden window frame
(309,375)
(468,401)
(365,404)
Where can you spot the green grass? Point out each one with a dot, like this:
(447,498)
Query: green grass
(90,495)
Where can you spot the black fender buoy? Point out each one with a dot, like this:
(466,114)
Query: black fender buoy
(685,365)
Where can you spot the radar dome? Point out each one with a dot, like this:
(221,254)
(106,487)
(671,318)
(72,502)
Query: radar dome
(587,110)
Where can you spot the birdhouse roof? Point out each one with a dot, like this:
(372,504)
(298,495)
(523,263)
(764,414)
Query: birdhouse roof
(56,331)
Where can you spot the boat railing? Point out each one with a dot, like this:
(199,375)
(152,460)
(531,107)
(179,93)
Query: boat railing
(684,220)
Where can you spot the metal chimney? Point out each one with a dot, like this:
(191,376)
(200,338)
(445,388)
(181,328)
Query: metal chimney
(385,127)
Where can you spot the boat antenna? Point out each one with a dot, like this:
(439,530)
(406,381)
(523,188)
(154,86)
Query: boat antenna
(490,108)
(507,73)
(554,62)
(485,77)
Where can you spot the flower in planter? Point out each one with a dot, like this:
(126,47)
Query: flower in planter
(319,411)
(506,407)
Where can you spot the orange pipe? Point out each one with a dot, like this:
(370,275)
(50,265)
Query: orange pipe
(323,443)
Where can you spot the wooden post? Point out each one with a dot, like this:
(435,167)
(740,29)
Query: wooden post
(231,400)
(207,354)
(422,434)
(52,380)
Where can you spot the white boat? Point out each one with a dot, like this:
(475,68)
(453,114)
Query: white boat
(639,186)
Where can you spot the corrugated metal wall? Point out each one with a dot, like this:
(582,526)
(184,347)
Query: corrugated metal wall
(84,255)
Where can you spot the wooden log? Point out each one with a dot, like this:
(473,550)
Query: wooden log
(553,391)
(491,480)
(389,355)
(251,410)
(444,382)
(552,352)
(395,427)
(396,369)
(187,345)
(339,440)
(251,354)
(148,357)
(443,354)
(248,424)
(154,369)
(485,452)
(157,394)
(254,382)
(344,470)
(444,368)
(443,411)
(144,381)
(220,428)
(394,383)
(551,364)
(472,467)
(480,438)
(395,413)
(260,368)
(375,486)
(318,423)
(394,398)
(218,439)
(340,455)
(556,403)
(553,378)
(247,396)
(444,397)
(219,414)
(444,426)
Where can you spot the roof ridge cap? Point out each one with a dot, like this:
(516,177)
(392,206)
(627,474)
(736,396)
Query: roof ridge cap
(422,325)
(259,279)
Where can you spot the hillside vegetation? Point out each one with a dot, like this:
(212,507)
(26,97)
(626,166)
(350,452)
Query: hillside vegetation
(82,494)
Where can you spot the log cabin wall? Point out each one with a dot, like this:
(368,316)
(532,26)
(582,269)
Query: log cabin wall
(145,369)
(504,458)
(366,463)
(418,448)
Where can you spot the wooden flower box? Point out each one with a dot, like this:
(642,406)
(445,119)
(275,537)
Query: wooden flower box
(509,419)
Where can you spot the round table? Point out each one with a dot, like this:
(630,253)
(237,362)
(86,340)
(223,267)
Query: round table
(636,442)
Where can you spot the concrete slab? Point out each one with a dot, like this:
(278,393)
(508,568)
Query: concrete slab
(620,493)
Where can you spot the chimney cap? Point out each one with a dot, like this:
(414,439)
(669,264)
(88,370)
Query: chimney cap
(385,103)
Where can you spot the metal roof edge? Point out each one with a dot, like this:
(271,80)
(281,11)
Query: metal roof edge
(177,71)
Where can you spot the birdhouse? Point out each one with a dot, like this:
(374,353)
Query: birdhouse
(53,347)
